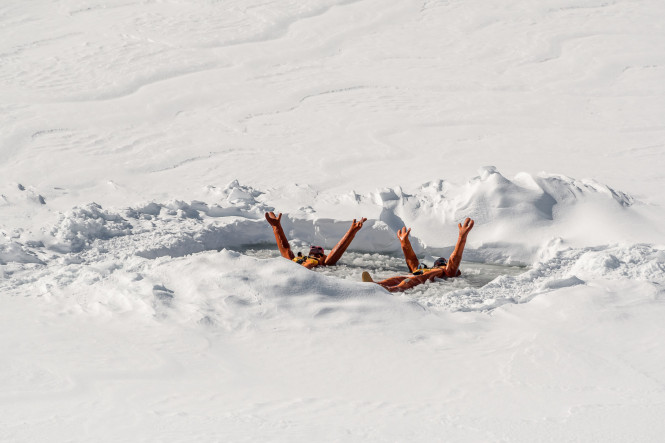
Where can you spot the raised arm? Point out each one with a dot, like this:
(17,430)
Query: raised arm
(280,237)
(410,256)
(344,243)
(455,259)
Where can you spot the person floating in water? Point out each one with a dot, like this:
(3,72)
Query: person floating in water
(316,256)
(419,274)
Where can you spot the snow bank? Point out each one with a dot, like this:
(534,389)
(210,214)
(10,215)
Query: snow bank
(567,267)
(223,290)
(514,218)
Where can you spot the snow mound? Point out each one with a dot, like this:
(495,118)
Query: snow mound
(512,218)
(224,290)
(567,267)
(77,229)
(11,251)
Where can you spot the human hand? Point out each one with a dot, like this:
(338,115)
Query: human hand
(355,226)
(403,234)
(273,219)
(466,227)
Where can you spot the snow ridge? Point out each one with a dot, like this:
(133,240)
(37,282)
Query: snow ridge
(500,207)
(568,267)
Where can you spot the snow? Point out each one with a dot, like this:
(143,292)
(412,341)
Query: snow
(142,297)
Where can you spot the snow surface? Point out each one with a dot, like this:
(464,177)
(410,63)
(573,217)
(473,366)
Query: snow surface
(141,294)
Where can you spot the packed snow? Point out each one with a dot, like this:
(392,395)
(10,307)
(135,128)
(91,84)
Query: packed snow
(142,294)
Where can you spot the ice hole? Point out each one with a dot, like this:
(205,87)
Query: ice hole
(382,265)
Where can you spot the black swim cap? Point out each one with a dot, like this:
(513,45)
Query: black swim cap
(440,262)
(315,250)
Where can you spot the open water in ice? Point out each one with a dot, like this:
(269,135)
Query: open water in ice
(381,266)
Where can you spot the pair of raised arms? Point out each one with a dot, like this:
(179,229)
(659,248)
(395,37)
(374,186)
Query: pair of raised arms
(326,260)
(452,267)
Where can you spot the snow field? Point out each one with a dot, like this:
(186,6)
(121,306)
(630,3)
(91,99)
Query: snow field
(140,294)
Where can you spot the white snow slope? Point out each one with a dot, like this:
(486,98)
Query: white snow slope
(141,295)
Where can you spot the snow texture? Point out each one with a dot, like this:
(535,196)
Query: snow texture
(142,297)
